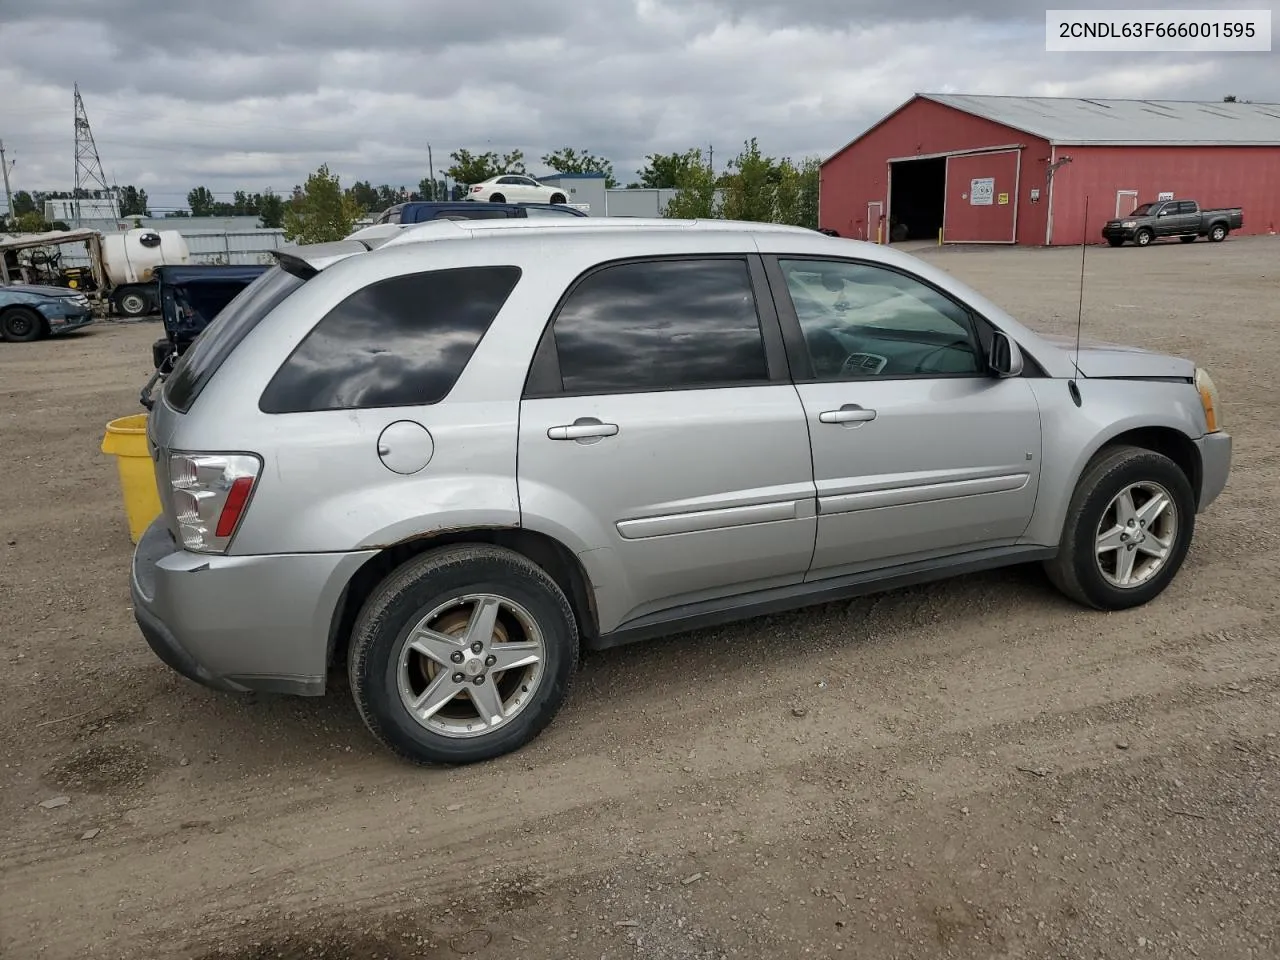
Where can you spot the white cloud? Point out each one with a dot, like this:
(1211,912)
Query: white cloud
(242,94)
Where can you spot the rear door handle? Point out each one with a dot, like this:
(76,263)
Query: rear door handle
(849,413)
(587,429)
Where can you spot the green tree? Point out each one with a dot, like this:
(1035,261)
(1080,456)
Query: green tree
(201,202)
(664,171)
(696,197)
(569,160)
(513,162)
(270,209)
(133,202)
(795,199)
(321,211)
(750,188)
(471,168)
(364,195)
(23,202)
(31,222)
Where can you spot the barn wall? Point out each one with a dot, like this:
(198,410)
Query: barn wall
(858,175)
(1247,177)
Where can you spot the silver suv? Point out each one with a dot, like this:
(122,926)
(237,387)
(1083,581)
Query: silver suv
(451,457)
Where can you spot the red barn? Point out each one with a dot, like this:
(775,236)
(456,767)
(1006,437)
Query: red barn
(979,169)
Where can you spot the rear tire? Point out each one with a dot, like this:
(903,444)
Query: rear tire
(132,303)
(559,198)
(1143,238)
(497,198)
(1190,239)
(21,325)
(1218,233)
(1089,576)
(433,596)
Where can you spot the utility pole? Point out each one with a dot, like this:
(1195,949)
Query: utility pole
(431,172)
(6,166)
(711,158)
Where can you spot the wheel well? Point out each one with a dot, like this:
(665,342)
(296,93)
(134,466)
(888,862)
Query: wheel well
(1174,444)
(552,556)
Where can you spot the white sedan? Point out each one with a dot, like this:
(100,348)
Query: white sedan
(515,188)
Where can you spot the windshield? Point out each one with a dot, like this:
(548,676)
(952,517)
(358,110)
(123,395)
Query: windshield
(1142,211)
(223,334)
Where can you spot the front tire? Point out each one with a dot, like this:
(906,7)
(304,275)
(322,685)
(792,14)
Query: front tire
(21,325)
(1218,233)
(1143,238)
(462,654)
(1128,529)
(1115,241)
(559,198)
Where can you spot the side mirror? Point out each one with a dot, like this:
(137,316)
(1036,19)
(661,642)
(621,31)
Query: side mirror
(1005,359)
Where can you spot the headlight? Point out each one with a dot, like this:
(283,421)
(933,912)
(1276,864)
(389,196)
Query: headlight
(1129,223)
(1209,400)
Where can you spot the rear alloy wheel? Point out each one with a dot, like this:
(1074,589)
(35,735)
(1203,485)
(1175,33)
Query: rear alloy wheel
(497,198)
(1218,233)
(559,198)
(1143,238)
(1128,530)
(462,654)
(21,325)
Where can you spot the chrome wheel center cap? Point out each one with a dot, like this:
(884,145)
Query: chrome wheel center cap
(473,667)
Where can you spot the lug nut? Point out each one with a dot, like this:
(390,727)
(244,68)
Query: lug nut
(490,660)
(458,678)
(477,647)
(478,680)
(457,656)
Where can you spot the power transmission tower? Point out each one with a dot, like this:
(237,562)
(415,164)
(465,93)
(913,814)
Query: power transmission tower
(89,175)
(5,167)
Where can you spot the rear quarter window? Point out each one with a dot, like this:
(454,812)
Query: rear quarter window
(403,341)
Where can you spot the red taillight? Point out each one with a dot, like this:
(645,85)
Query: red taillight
(209,494)
(476,189)
(237,497)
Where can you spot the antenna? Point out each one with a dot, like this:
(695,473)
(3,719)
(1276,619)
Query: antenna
(1072,387)
(89,175)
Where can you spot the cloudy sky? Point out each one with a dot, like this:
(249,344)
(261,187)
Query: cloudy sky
(256,93)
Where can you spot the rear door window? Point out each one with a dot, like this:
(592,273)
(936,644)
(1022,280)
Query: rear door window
(232,324)
(403,341)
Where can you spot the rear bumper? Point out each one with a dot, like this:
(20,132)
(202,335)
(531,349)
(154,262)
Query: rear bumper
(1215,466)
(239,624)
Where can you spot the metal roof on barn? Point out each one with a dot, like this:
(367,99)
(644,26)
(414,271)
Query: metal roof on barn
(1062,120)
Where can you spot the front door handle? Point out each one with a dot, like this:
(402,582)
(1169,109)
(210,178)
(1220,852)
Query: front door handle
(849,413)
(585,429)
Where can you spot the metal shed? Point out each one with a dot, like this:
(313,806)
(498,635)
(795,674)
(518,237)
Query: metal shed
(989,169)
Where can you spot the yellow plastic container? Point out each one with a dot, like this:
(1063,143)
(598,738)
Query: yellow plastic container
(126,440)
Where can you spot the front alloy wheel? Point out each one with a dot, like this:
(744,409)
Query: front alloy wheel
(1128,528)
(1136,535)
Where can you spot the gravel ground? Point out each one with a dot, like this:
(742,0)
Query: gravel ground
(974,769)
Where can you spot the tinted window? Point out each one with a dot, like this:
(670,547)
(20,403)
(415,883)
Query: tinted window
(403,341)
(1142,211)
(659,325)
(1187,206)
(550,212)
(482,212)
(861,320)
(231,325)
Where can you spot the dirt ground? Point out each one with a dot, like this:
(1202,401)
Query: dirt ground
(975,769)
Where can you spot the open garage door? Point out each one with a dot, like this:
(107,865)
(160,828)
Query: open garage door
(982,197)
